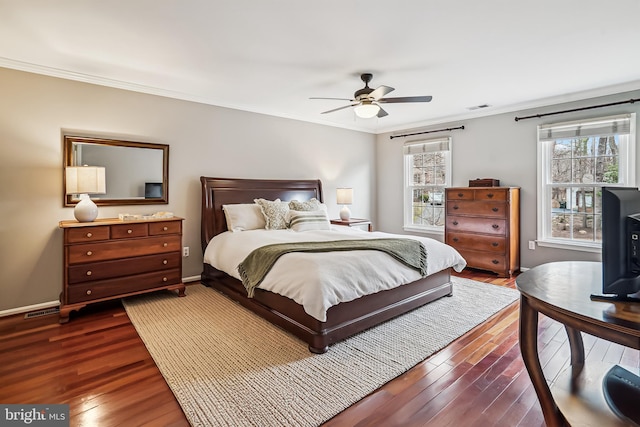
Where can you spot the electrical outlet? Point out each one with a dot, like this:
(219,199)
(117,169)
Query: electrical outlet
(185,251)
(532,245)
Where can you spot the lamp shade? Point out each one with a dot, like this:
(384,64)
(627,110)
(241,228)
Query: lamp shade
(85,180)
(367,109)
(345,196)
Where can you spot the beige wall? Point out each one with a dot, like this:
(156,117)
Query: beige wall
(494,147)
(204,140)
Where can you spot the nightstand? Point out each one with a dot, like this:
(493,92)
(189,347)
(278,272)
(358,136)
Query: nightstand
(354,222)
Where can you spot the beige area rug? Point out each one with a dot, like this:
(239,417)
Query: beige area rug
(229,367)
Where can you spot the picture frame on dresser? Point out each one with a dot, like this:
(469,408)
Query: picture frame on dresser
(110,259)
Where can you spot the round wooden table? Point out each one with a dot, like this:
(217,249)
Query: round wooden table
(561,291)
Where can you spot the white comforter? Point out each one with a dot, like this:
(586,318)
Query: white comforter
(318,281)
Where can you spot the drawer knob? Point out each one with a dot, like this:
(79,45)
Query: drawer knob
(164,261)
(455,239)
(455,207)
(89,253)
(494,244)
(165,228)
(455,222)
(490,195)
(164,279)
(460,194)
(88,291)
(495,226)
(89,273)
(494,209)
(89,234)
(165,244)
(129,231)
(495,261)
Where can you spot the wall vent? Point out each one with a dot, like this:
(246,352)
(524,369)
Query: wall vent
(40,313)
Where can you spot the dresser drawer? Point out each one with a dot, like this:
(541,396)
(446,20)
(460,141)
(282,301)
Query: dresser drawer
(87,234)
(92,252)
(165,227)
(483,208)
(499,194)
(494,226)
(126,231)
(484,260)
(459,194)
(477,242)
(93,271)
(124,285)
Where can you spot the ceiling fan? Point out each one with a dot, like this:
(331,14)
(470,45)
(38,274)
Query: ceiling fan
(366,101)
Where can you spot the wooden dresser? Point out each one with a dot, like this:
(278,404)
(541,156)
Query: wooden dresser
(483,224)
(109,258)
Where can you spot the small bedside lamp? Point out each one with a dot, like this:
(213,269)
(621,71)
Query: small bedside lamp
(85,180)
(345,197)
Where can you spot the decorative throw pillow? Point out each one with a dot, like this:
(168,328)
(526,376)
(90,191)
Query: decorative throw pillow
(308,220)
(244,216)
(309,205)
(274,212)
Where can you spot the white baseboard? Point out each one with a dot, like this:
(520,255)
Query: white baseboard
(43,305)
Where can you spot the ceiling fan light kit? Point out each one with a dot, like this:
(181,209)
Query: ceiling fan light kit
(366,101)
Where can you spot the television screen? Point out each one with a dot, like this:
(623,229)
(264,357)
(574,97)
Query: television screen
(620,243)
(153,190)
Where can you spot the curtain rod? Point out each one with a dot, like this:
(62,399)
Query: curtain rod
(631,101)
(427,131)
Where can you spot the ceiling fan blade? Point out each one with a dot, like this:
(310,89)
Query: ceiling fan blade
(380,92)
(382,113)
(406,99)
(337,99)
(339,108)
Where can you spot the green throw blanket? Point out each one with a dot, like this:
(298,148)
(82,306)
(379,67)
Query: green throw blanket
(258,263)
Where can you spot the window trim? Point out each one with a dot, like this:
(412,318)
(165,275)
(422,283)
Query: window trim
(442,142)
(627,178)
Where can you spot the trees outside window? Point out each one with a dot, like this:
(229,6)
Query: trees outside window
(576,160)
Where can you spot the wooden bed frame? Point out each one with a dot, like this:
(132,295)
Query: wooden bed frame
(344,319)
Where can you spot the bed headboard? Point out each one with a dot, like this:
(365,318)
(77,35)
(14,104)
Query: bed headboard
(224,191)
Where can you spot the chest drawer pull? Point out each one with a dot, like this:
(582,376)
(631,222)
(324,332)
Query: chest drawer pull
(89,253)
(164,261)
(88,291)
(129,231)
(89,235)
(165,228)
(490,195)
(494,244)
(455,222)
(495,226)
(455,239)
(460,194)
(455,207)
(164,279)
(165,244)
(495,261)
(494,209)
(89,273)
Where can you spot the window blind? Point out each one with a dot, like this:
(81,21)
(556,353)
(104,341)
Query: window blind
(427,146)
(606,126)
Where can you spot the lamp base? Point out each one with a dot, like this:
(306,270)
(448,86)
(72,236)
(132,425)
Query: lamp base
(345,213)
(85,210)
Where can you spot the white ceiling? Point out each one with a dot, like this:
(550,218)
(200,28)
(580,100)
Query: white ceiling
(271,56)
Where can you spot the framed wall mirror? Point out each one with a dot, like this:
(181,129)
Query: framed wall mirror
(136,173)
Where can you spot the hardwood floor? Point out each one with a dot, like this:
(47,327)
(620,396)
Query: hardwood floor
(99,366)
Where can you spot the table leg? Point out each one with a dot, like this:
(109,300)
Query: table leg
(577,355)
(529,349)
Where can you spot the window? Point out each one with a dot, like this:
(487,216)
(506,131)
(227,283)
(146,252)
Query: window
(427,167)
(576,159)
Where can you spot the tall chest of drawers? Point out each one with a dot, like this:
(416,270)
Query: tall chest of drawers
(109,258)
(483,224)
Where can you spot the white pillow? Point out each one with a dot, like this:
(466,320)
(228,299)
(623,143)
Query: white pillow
(274,212)
(308,220)
(244,216)
(309,205)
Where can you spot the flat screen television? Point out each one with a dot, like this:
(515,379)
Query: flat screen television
(152,190)
(620,244)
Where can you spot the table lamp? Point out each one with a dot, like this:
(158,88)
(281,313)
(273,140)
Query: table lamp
(344,198)
(85,180)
